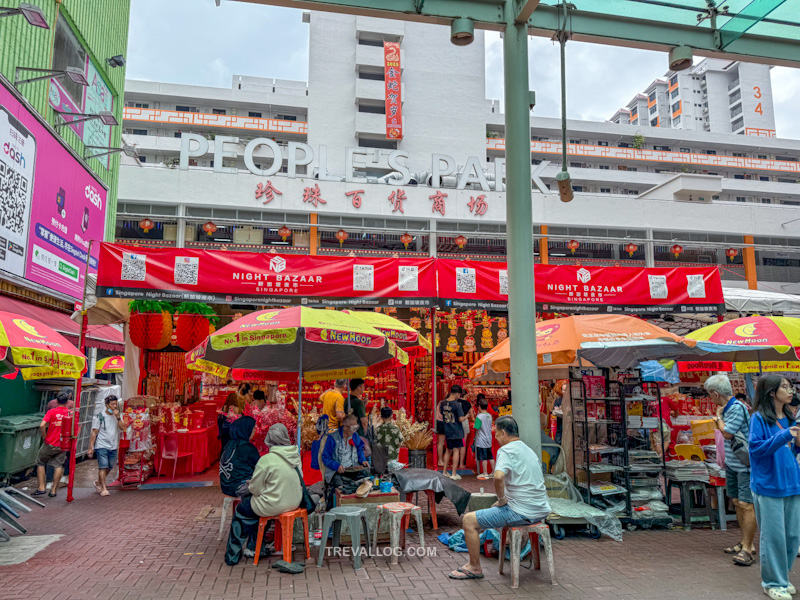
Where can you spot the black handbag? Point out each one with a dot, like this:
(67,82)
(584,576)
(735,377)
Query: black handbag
(306,501)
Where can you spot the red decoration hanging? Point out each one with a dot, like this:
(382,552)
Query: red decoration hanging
(341,235)
(406,239)
(284,232)
(209,228)
(573,245)
(731,253)
(461,241)
(676,250)
(631,248)
(191,330)
(151,331)
(146,225)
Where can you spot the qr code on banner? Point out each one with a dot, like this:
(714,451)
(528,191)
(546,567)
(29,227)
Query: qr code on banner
(408,279)
(186,270)
(658,286)
(133,267)
(695,286)
(465,281)
(13,199)
(504,282)
(363,278)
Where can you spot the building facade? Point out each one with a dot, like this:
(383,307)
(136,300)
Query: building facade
(719,196)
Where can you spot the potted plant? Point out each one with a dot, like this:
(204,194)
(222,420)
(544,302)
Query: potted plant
(638,141)
(417,436)
(194,322)
(150,325)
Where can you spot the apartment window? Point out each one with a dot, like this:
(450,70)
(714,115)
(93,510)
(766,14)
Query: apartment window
(711,152)
(286,117)
(738,154)
(211,164)
(142,159)
(762,156)
(185,109)
(177,134)
(685,150)
(766,201)
(738,176)
(762,178)
(741,199)
(651,97)
(632,192)
(577,188)
(68,52)
(674,93)
(604,167)
(139,131)
(371,75)
(663,148)
(377,109)
(676,107)
(676,121)
(653,108)
(574,141)
(789,158)
(737,124)
(710,173)
(256,115)
(624,145)
(605,190)
(369,42)
(673,80)
(622,168)
(634,169)
(577,165)
(137,105)
(602,143)
(791,202)
(375,143)
(219,111)
(654,122)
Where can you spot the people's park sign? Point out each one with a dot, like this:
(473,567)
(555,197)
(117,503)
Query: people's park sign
(183,274)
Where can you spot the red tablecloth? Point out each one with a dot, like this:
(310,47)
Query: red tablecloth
(202,443)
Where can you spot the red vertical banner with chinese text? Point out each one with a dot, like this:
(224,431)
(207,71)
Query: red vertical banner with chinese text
(394,101)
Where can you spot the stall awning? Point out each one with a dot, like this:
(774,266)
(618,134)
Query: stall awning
(757,301)
(104,337)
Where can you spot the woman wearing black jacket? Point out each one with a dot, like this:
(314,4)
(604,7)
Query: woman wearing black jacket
(239,456)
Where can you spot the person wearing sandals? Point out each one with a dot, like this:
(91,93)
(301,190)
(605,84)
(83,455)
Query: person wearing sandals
(521,495)
(733,417)
(51,454)
(775,480)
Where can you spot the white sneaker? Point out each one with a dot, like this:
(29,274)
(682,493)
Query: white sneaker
(248,553)
(455,476)
(791,589)
(778,593)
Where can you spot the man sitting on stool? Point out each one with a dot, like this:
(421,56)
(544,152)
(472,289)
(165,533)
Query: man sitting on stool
(521,495)
(342,455)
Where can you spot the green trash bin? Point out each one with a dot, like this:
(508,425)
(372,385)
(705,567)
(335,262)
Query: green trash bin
(19,442)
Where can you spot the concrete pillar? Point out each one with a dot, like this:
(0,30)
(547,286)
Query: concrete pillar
(649,250)
(180,239)
(313,235)
(544,250)
(433,239)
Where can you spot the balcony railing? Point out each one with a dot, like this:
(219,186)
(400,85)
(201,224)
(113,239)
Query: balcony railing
(733,84)
(735,98)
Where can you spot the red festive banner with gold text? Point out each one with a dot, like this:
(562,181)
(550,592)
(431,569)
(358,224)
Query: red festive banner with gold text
(394,101)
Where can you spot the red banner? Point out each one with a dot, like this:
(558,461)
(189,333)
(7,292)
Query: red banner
(569,288)
(691,366)
(394,100)
(259,278)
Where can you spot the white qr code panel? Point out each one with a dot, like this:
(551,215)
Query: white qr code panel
(187,268)
(466,281)
(363,278)
(658,286)
(696,286)
(13,200)
(134,267)
(504,282)
(408,279)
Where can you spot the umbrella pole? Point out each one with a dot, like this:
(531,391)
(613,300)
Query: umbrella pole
(760,369)
(298,435)
(433,390)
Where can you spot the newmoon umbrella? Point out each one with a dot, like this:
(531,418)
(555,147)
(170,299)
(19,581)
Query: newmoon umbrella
(746,338)
(37,350)
(111,364)
(409,339)
(294,343)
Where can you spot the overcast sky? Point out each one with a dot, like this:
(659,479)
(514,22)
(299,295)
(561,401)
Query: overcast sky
(194,42)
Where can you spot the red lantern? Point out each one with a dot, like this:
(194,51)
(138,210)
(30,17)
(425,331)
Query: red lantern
(146,225)
(341,235)
(461,241)
(209,228)
(573,245)
(676,250)
(406,239)
(284,232)
(191,330)
(630,249)
(731,253)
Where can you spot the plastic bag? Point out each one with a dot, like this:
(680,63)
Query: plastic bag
(566,501)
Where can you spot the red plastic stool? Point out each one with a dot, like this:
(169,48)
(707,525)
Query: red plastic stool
(431,505)
(284,532)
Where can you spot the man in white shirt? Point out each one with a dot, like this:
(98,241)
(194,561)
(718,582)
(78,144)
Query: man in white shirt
(104,441)
(521,495)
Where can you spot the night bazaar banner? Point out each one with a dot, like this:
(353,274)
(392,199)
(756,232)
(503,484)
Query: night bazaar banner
(181,274)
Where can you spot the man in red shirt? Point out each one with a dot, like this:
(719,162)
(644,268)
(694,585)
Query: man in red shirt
(51,454)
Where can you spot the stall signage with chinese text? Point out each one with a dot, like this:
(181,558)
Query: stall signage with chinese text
(393,91)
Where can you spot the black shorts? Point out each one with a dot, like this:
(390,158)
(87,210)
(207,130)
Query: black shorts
(440,427)
(483,454)
(457,443)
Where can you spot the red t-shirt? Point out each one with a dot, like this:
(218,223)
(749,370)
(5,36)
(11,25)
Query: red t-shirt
(667,407)
(54,417)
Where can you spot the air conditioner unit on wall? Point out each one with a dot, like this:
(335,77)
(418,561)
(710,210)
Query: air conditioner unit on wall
(171,233)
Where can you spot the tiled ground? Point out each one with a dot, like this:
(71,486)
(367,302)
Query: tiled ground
(159,544)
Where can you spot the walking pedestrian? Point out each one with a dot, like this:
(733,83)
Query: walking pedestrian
(775,480)
(51,454)
(453,416)
(104,441)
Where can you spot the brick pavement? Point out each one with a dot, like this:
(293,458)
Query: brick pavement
(155,545)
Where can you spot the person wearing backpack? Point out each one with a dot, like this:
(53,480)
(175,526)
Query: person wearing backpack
(733,420)
(775,480)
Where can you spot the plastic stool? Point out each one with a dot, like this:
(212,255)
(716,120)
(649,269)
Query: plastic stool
(284,532)
(687,508)
(354,515)
(431,505)
(226,502)
(535,532)
(400,513)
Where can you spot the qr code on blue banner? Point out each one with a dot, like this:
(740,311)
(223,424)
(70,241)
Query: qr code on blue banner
(13,199)
(658,286)
(408,279)
(133,267)
(465,281)
(363,278)
(695,286)
(186,270)
(504,282)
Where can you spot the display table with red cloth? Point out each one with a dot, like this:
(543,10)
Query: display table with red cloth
(202,443)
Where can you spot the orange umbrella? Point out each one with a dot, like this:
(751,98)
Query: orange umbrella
(558,340)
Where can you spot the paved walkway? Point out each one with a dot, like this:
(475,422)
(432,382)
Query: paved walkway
(161,544)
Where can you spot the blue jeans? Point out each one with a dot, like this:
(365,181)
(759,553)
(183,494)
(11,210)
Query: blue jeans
(106,459)
(779,526)
(498,517)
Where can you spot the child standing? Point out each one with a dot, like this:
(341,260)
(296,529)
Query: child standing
(483,439)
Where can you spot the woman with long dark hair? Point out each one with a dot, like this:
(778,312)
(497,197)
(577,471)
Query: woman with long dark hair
(775,482)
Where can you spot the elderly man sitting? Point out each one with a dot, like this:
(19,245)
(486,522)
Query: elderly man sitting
(343,457)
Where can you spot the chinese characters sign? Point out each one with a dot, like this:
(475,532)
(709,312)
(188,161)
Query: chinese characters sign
(394,101)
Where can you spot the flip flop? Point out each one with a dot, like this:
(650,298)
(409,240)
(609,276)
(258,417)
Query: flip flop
(293,568)
(744,559)
(733,549)
(462,573)
(51,495)
(39,493)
